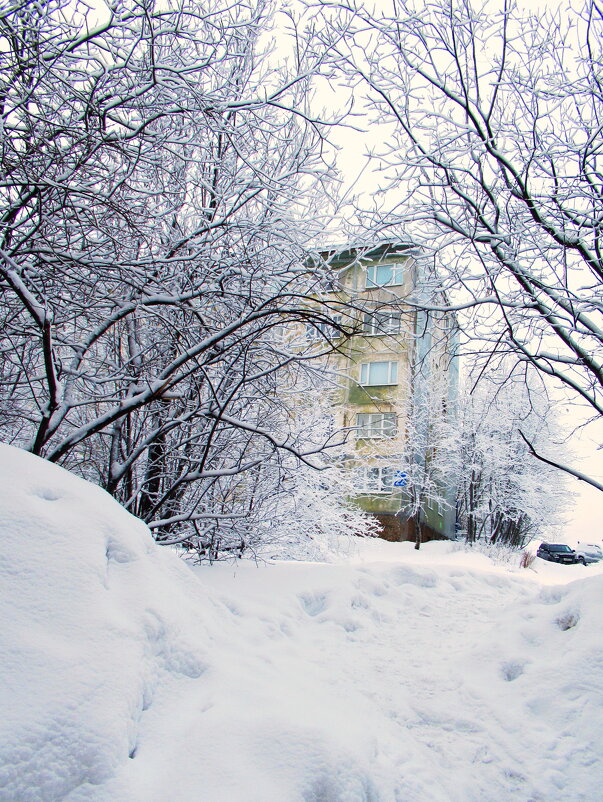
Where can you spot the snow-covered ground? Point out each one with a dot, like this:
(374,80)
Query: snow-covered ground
(388,675)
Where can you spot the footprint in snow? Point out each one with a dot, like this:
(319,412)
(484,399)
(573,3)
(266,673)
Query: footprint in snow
(511,670)
(313,604)
(46,494)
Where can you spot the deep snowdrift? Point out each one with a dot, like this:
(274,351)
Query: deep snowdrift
(94,620)
(398,677)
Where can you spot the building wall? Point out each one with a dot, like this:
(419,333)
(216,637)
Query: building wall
(411,345)
(396,529)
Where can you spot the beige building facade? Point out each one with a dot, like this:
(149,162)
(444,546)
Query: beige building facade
(394,353)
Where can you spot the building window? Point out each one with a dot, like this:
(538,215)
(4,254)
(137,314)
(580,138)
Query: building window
(384,275)
(375,373)
(321,332)
(376,479)
(375,424)
(385,321)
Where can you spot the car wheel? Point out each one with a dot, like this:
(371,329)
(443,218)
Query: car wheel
(582,560)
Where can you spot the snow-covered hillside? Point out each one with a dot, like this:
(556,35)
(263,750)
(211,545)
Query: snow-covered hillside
(390,676)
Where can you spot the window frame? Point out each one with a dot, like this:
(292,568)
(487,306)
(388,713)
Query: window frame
(383,483)
(378,323)
(371,430)
(323,332)
(397,279)
(392,374)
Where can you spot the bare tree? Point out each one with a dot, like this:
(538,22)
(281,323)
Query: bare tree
(155,173)
(493,122)
(292,509)
(505,497)
(431,462)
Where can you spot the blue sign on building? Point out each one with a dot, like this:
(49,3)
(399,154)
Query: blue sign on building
(400,479)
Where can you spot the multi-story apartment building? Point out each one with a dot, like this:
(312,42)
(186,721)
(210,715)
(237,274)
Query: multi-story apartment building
(397,381)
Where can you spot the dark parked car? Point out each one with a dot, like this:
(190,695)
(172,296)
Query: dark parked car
(557,553)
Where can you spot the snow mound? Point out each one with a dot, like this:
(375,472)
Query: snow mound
(122,680)
(94,620)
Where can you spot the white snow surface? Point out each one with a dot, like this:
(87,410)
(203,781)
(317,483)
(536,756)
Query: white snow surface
(389,675)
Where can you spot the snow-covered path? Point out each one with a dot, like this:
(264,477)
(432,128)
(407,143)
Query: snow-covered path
(382,681)
(385,676)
